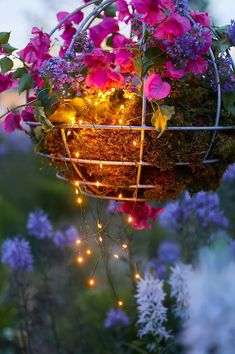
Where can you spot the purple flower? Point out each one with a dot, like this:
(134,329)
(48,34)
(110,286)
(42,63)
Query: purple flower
(229,174)
(190,46)
(203,209)
(154,265)
(168,252)
(16,254)
(227,77)
(181,6)
(116,317)
(38,225)
(112,206)
(65,238)
(231,32)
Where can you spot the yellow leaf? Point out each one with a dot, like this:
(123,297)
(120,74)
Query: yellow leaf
(64,114)
(161,117)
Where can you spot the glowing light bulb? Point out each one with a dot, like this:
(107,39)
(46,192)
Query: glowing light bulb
(100,239)
(124,246)
(88,252)
(80,260)
(76,191)
(89,101)
(79,200)
(137,276)
(96,103)
(120,121)
(99,225)
(120,303)
(80,122)
(134,143)
(73,120)
(76,183)
(120,196)
(97,184)
(130,219)
(78,242)
(113,89)
(91,282)
(116,256)
(69,132)
(122,106)
(77,154)
(101,166)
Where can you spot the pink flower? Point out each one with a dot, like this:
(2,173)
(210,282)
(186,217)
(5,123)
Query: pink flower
(173,72)
(155,88)
(123,11)
(201,17)
(37,50)
(99,32)
(198,66)
(97,58)
(76,18)
(173,26)
(104,79)
(27,114)
(152,10)
(5,82)
(139,213)
(12,122)
(120,41)
(124,59)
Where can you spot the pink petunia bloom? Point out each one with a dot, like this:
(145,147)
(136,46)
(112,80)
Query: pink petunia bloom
(124,59)
(37,50)
(12,122)
(99,32)
(155,88)
(173,26)
(123,11)
(198,66)
(5,82)
(97,58)
(152,10)
(172,72)
(139,213)
(201,17)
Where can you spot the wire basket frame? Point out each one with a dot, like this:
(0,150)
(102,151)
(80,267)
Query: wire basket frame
(94,189)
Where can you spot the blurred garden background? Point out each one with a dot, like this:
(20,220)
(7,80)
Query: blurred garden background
(70,315)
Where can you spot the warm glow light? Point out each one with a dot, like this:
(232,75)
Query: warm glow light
(134,143)
(91,282)
(113,89)
(137,276)
(79,200)
(97,184)
(76,191)
(120,303)
(76,183)
(120,196)
(116,256)
(89,101)
(88,252)
(99,225)
(68,132)
(124,246)
(80,122)
(77,154)
(130,219)
(96,103)
(73,120)
(101,166)
(120,121)
(100,239)
(80,260)
(122,106)
(78,242)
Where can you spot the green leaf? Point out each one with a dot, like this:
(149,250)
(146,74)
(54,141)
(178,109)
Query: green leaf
(46,124)
(7,48)
(229,102)
(110,10)
(48,100)
(6,65)
(161,117)
(154,56)
(25,83)
(109,41)
(4,37)
(138,66)
(19,73)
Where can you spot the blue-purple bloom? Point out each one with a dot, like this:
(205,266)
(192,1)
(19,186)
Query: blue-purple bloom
(16,254)
(229,174)
(227,77)
(190,46)
(168,252)
(231,32)
(38,225)
(203,209)
(116,317)
(112,206)
(65,238)
(181,6)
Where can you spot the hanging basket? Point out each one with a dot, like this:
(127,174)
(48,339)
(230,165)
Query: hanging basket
(106,146)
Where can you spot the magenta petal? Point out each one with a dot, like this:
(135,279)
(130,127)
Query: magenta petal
(12,123)
(198,66)
(155,88)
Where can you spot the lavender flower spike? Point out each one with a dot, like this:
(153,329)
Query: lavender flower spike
(16,254)
(116,317)
(38,225)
